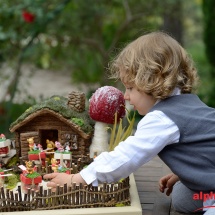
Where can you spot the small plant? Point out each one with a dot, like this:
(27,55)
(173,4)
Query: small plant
(57,98)
(32,175)
(29,109)
(2,137)
(118,133)
(63,152)
(34,152)
(63,169)
(78,121)
(11,181)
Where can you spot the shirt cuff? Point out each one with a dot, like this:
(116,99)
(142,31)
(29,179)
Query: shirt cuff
(89,174)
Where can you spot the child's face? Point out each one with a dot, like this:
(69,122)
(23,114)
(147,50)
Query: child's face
(141,101)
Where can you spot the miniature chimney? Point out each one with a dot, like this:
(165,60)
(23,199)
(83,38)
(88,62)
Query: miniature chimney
(76,101)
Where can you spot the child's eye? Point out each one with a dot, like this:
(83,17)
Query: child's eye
(129,88)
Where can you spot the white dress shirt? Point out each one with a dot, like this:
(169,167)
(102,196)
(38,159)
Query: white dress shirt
(154,131)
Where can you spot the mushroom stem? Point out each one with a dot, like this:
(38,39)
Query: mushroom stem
(100,139)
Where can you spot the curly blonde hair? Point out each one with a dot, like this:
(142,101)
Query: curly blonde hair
(155,63)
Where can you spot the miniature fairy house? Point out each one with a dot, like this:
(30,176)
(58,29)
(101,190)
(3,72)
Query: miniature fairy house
(55,119)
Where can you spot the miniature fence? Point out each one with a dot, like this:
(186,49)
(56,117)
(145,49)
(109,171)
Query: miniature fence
(74,196)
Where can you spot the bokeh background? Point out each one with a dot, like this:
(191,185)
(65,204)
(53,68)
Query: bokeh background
(53,47)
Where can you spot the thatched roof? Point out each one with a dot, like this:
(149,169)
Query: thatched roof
(57,106)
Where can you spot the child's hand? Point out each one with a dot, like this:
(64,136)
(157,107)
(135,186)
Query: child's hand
(167,182)
(63,178)
(58,179)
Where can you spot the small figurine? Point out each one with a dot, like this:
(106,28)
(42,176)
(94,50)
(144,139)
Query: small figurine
(30,178)
(59,146)
(2,137)
(29,167)
(35,147)
(37,154)
(50,145)
(60,168)
(40,147)
(31,143)
(67,148)
(4,146)
(50,148)
(54,164)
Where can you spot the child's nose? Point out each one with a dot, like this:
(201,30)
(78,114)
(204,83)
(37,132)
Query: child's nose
(126,96)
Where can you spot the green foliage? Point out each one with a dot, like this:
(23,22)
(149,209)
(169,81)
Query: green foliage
(16,110)
(197,51)
(120,205)
(79,36)
(34,152)
(62,169)
(78,121)
(32,175)
(11,181)
(15,32)
(64,152)
(209,29)
(208,7)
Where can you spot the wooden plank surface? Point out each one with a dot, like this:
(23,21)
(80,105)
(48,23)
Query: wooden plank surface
(153,202)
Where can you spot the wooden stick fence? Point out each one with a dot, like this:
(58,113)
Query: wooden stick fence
(63,197)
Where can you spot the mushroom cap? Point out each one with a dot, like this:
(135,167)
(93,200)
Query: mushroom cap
(105,102)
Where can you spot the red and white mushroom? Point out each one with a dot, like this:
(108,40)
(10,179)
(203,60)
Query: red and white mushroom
(103,105)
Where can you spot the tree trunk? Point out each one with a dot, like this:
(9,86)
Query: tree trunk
(173,19)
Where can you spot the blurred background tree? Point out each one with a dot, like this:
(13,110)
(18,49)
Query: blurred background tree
(209,39)
(80,37)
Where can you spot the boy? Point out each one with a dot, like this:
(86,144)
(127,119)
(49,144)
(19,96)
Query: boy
(159,78)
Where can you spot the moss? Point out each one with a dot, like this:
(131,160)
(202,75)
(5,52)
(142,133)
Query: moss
(59,105)
(11,181)
(33,175)
(77,121)
(120,205)
(64,152)
(34,152)
(63,169)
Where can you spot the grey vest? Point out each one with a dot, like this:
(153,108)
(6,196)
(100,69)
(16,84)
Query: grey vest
(193,158)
